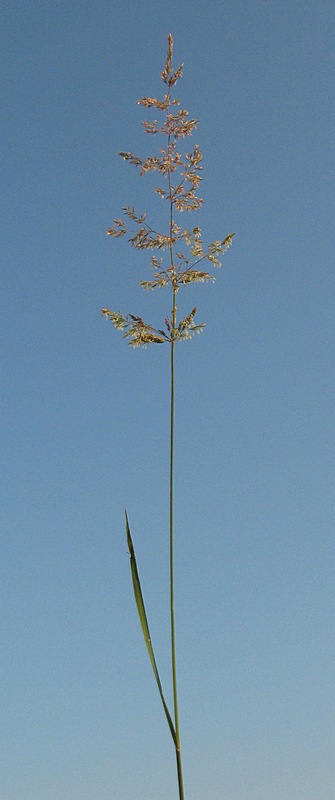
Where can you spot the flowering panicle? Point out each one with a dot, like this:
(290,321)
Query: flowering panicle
(182,178)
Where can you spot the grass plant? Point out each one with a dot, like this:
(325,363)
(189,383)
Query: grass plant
(178,257)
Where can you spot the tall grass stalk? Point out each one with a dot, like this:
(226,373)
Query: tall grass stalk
(181,176)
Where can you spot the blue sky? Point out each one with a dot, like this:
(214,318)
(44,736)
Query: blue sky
(85,422)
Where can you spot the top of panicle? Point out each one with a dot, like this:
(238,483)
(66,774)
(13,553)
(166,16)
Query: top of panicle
(168,76)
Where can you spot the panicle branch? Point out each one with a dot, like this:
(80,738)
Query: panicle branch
(135,330)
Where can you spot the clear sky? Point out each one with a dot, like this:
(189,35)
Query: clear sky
(85,422)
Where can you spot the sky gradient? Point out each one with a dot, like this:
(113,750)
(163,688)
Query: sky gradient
(85,419)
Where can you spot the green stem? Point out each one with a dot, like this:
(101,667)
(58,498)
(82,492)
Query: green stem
(172,614)
(173,639)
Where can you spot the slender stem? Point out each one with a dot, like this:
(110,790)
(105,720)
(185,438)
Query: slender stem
(172,614)
(173,641)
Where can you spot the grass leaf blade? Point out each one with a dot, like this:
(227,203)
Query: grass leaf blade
(145,627)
